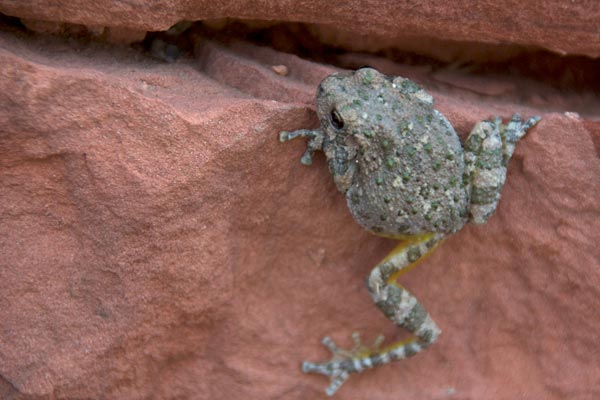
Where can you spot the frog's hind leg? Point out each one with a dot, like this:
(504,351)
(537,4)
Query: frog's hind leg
(398,304)
(488,150)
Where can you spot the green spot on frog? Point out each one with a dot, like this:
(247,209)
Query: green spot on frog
(403,228)
(482,164)
(390,162)
(427,147)
(379,181)
(436,166)
(465,179)
(402,126)
(409,86)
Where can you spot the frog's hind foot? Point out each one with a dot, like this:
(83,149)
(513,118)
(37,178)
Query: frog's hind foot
(344,361)
(398,305)
(488,150)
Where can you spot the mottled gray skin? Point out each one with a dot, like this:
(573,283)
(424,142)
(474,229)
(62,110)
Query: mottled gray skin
(406,175)
(397,159)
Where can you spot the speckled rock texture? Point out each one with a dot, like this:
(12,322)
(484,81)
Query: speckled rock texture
(158,242)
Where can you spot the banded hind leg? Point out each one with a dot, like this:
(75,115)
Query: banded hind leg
(488,150)
(398,304)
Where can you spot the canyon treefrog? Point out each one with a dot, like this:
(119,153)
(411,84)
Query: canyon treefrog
(405,175)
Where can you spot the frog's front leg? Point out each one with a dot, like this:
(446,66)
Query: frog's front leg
(398,304)
(314,143)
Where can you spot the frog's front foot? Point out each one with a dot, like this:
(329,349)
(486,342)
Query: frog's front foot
(315,142)
(344,361)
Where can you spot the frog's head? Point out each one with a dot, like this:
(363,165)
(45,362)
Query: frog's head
(344,98)
(362,103)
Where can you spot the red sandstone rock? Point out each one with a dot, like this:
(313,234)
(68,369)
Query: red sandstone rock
(556,25)
(158,241)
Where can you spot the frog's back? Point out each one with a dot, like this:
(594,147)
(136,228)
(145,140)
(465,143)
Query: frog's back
(411,179)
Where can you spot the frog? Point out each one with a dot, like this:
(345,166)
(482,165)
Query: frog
(406,176)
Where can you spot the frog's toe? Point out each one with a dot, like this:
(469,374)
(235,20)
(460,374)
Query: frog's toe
(343,361)
(530,122)
(325,368)
(336,382)
(307,157)
(517,128)
(284,136)
(336,372)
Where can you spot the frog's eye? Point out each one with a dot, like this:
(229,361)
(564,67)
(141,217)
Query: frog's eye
(336,119)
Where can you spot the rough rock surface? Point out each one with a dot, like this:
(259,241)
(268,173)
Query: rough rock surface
(557,25)
(158,241)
